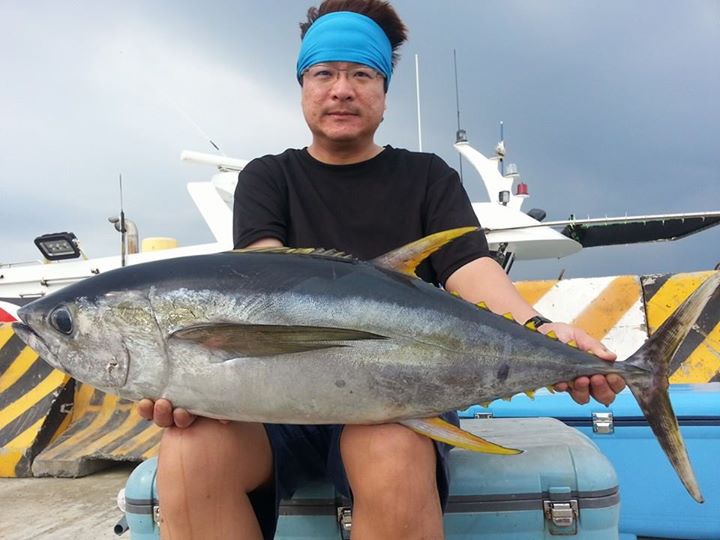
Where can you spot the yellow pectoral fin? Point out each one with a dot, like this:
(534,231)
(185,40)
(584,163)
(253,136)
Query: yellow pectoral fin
(440,430)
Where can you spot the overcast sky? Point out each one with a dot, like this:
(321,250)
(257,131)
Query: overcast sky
(610,108)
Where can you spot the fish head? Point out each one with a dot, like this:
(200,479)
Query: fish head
(93,337)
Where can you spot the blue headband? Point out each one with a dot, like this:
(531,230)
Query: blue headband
(346,36)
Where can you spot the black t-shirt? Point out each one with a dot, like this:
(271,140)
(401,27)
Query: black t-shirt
(365,209)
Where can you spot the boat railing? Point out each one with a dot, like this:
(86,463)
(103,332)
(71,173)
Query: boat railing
(21,263)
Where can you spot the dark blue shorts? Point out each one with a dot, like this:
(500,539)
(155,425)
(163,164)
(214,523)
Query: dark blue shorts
(303,453)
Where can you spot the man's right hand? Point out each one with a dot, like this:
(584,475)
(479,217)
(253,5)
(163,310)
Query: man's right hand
(162,413)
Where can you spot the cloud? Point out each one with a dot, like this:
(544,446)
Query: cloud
(608,108)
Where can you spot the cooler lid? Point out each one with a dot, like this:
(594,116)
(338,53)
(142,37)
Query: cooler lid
(556,459)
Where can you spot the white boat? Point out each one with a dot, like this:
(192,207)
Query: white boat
(512,234)
(22,282)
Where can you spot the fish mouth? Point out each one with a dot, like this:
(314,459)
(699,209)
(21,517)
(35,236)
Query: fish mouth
(22,314)
(25,332)
(33,340)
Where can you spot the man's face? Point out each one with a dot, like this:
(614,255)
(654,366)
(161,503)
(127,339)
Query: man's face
(343,101)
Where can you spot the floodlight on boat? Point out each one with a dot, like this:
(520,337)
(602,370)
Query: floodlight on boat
(58,246)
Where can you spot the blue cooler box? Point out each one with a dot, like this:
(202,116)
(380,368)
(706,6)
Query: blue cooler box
(654,502)
(140,499)
(561,485)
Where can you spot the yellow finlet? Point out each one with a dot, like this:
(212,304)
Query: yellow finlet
(482,305)
(455,293)
(530,394)
(573,343)
(552,335)
(509,316)
(440,430)
(406,259)
(550,389)
(507,398)
(530,325)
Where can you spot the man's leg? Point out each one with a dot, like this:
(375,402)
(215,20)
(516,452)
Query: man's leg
(205,473)
(392,474)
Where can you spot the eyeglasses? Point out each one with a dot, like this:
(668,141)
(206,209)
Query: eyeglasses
(324,75)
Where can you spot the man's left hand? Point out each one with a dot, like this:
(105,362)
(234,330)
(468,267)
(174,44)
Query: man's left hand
(601,387)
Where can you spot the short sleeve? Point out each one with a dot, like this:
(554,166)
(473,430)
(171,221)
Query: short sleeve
(260,204)
(447,206)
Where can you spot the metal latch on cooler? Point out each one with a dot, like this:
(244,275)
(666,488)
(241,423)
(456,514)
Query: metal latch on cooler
(344,516)
(156,514)
(562,516)
(603,422)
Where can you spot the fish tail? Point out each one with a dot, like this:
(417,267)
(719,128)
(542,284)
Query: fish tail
(649,382)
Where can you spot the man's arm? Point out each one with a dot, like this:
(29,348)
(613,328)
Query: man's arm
(483,280)
(265,242)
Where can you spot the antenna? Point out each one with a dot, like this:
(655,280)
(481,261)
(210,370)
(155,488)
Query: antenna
(127,229)
(502,142)
(460,134)
(123,230)
(189,119)
(197,127)
(417,92)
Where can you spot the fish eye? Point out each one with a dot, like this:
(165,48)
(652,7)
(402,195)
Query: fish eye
(61,320)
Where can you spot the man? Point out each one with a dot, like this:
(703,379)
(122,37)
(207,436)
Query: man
(224,479)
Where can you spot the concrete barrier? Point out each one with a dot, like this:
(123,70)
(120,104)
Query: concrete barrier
(35,402)
(103,429)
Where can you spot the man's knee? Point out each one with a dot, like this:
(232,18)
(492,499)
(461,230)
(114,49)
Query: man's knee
(388,457)
(392,474)
(210,451)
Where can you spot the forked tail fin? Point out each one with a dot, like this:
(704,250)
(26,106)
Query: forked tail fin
(649,383)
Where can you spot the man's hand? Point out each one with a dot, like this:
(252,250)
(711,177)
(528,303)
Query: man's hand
(163,413)
(601,387)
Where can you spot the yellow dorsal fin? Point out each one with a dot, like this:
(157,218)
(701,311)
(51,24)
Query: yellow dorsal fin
(406,259)
(530,394)
(509,316)
(482,305)
(552,335)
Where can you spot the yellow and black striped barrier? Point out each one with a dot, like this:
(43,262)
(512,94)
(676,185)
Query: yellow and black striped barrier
(49,425)
(698,358)
(623,310)
(104,428)
(608,308)
(34,403)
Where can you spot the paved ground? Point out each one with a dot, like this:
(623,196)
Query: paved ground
(62,508)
